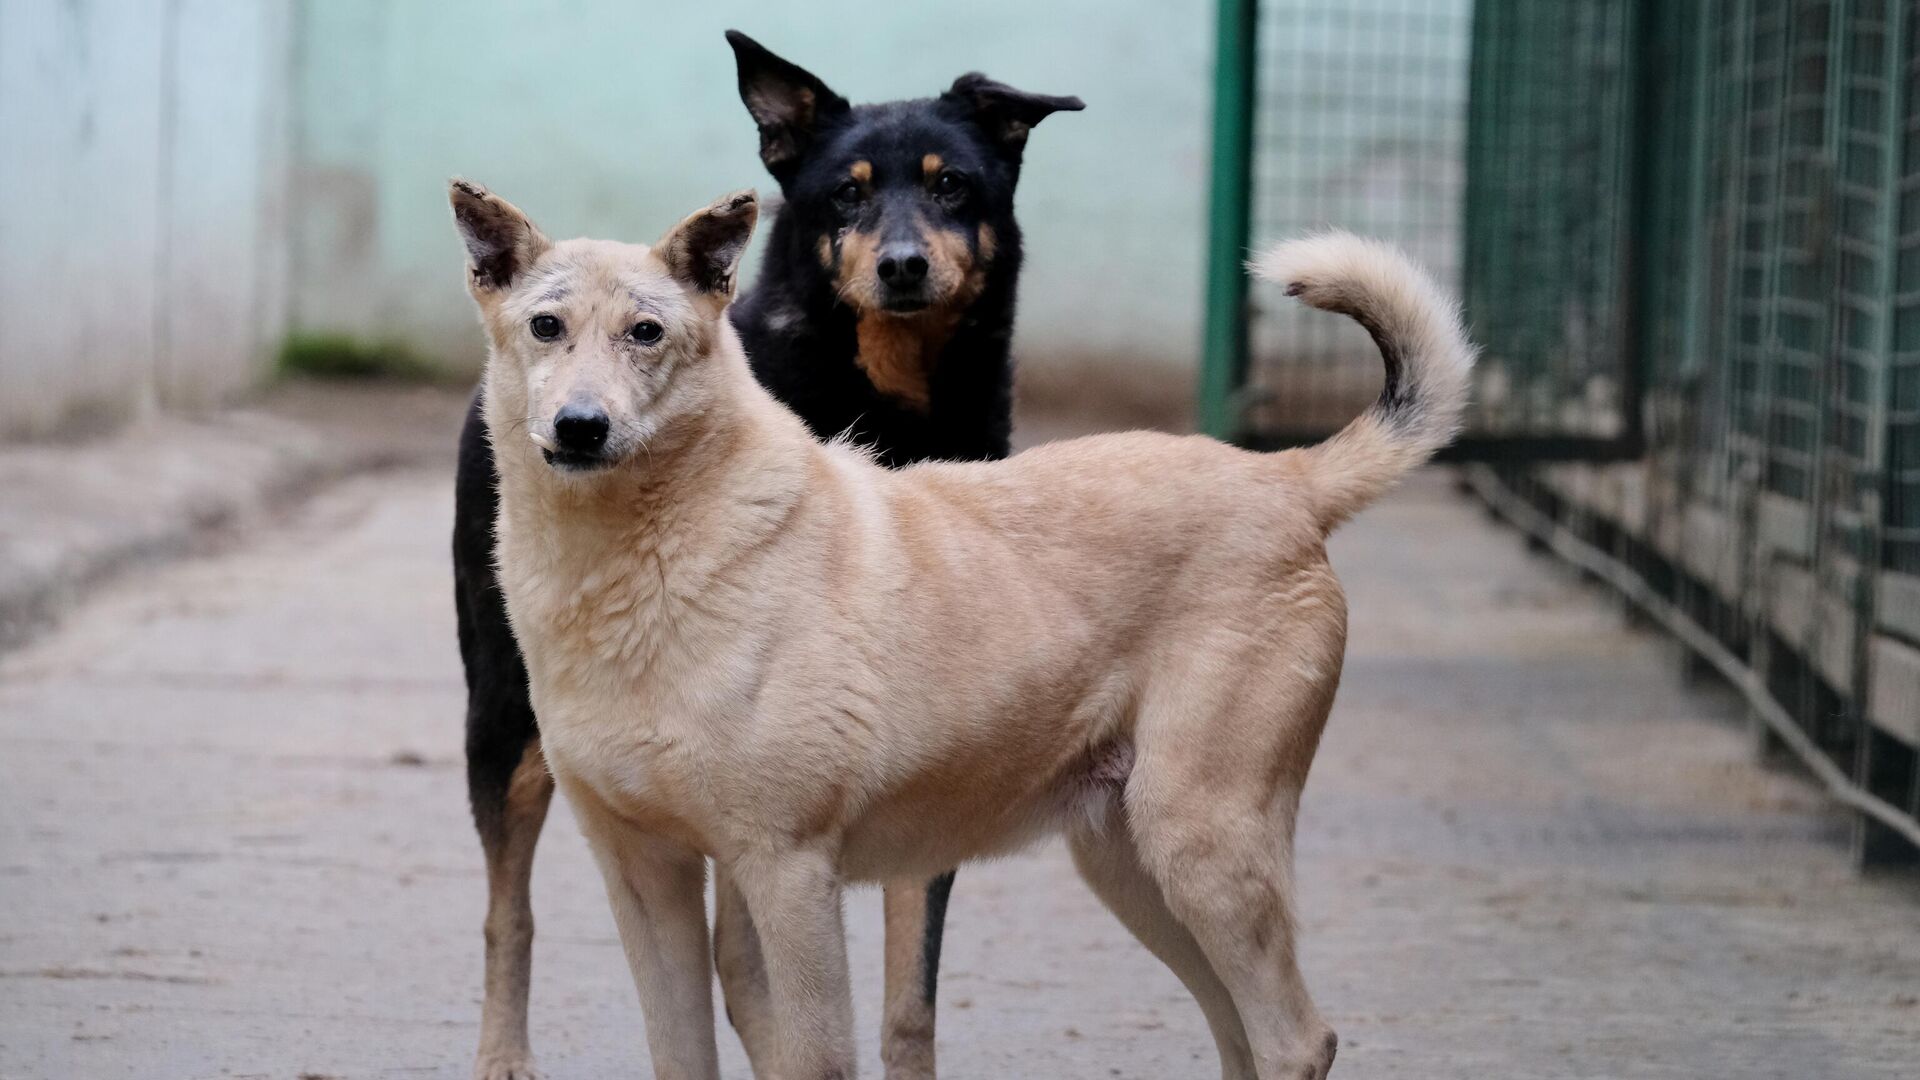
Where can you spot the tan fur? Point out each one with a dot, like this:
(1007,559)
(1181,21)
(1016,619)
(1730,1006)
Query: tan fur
(858,280)
(746,644)
(862,171)
(955,272)
(906,1029)
(930,166)
(898,351)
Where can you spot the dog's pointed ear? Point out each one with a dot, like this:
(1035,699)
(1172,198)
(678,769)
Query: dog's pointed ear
(1006,114)
(501,242)
(786,101)
(703,252)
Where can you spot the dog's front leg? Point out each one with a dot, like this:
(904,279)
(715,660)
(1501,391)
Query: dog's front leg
(743,973)
(657,889)
(793,897)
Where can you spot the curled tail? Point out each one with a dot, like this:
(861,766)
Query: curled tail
(1428,359)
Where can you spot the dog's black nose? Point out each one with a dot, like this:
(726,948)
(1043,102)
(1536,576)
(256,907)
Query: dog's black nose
(902,266)
(581,429)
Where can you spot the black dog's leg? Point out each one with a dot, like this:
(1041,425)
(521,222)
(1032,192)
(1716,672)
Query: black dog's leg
(916,914)
(507,781)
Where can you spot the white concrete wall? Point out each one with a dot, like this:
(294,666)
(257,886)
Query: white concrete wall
(143,249)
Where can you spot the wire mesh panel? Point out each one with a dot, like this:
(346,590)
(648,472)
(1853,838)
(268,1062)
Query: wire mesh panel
(1359,122)
(1551,83)
(1901,539)
(1720,204)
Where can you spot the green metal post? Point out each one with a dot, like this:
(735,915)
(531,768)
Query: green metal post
(1223,357)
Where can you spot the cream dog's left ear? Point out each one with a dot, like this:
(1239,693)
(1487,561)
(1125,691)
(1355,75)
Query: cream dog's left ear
(501,243)
(703,252)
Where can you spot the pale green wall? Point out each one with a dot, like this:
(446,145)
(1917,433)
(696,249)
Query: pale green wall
(615,118)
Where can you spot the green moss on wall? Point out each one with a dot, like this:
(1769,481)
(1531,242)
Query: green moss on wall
(343,356)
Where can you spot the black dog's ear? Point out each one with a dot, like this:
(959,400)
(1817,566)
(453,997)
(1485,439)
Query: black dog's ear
(786,100)
(501,242)
(704,250)
(1004,113)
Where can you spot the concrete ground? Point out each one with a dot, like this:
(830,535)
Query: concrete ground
(234,844)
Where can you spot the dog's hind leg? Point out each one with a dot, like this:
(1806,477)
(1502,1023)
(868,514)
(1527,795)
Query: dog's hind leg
(916,917)
(743,973)
(1229,885)
(507,781)
(509,830)
(1221,756)
(1107,861)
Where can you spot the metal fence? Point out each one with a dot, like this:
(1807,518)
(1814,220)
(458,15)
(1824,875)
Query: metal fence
(1699,225)
(1329,112)
(1691,248)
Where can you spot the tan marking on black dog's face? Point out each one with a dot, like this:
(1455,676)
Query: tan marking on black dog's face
(930,166)
(862,172)
(954,274)
(954,267)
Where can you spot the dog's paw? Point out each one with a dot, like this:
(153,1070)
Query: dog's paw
(505,1067)
(1320,1052)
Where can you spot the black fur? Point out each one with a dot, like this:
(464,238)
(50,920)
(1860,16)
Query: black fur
(499,714)
(938,890)
(801,340)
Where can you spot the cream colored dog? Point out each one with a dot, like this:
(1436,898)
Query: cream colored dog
(747,645)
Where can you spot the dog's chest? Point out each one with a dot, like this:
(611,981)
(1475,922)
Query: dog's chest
(627,686)
(644,741)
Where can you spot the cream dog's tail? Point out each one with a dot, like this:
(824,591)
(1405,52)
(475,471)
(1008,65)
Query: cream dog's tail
(1428,359)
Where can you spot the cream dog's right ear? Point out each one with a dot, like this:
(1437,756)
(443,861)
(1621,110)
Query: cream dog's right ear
(501,242)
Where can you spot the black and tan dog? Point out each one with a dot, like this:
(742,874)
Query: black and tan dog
(883,313)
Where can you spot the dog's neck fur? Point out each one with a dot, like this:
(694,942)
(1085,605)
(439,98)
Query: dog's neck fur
(898,354)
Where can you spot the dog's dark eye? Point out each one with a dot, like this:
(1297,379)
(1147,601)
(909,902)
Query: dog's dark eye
(848,193)
(646,332)
(949,185)
(545,327)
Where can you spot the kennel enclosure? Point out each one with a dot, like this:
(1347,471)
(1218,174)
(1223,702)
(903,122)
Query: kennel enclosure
(1688,240)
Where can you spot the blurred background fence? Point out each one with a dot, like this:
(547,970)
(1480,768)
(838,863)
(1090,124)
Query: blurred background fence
(1690,247)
